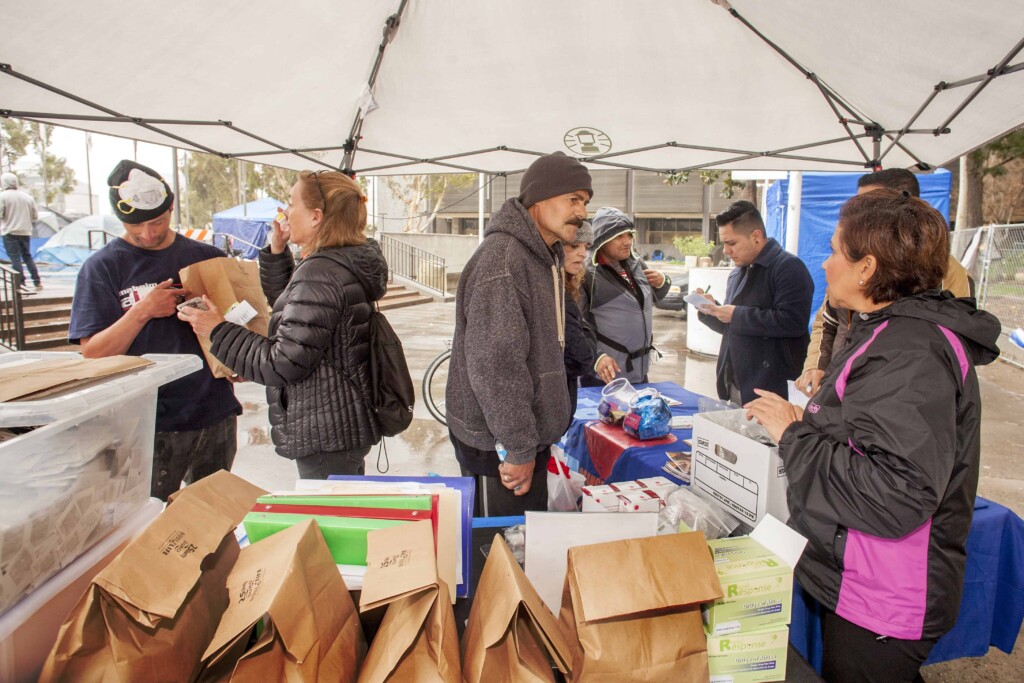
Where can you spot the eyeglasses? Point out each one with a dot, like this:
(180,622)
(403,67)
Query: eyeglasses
(316,177)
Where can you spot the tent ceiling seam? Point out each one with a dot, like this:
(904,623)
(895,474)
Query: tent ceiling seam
(391,25)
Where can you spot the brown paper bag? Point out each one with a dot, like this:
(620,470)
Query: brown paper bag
(151,613)
(417,641)
(631,609)
(511,633)
(288,586)
(227,281)
(41,378)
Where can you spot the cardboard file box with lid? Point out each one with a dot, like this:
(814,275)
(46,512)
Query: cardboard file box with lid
(86,467)
(746,476)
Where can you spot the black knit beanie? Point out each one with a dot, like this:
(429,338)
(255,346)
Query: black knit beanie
(552,175)
(138,193)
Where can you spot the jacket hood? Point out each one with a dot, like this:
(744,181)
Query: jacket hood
(367,263)
(8,181)
(978,329)
(514,220)
(609,223)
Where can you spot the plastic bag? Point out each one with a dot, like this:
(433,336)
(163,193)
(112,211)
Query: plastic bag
(565,487)
(696,511)
(649,416)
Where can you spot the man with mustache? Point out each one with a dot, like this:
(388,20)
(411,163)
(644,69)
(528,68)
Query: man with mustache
(506,379)
(618,298)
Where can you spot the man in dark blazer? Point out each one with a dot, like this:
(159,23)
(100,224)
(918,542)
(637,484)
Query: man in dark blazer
(763,321)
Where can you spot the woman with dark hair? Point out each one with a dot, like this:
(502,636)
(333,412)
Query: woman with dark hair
(580,342)
(883,461)
(315,361)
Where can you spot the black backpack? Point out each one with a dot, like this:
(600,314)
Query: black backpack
(390,381)
(391,390)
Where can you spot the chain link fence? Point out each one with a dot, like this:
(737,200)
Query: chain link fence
(994,257)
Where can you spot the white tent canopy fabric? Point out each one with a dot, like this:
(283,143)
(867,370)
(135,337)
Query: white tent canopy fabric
(412,86)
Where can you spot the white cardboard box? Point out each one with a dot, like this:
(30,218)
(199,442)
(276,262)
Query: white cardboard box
(746,476)
(640,501)
(600,499)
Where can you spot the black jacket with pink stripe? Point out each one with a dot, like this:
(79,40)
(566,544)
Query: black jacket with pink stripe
(883,468)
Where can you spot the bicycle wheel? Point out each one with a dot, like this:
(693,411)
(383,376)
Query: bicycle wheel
(434,381)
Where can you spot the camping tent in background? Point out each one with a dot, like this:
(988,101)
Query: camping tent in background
(250,223)
(822,195)
(71,246)
(43,228)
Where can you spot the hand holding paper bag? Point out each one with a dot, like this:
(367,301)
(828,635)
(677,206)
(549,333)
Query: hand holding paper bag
(226,281)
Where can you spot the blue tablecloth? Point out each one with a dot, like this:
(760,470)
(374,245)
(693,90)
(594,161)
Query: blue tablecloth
(636,462)
(992,607)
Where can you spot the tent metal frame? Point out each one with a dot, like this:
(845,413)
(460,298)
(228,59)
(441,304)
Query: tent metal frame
(846,116)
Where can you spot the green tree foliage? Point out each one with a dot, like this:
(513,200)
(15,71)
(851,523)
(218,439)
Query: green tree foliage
(708,177)
(15,142)
(212,186)
(21,136)
(423,195)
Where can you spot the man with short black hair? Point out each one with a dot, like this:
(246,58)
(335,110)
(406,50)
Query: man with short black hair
(831,324)
(763,321)
(125,302)
(506,379)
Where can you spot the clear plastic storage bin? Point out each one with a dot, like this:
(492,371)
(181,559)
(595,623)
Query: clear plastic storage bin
(86,468)
(29,629)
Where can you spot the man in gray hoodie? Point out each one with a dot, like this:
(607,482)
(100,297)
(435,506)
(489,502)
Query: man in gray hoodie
(506,379)
(17,211)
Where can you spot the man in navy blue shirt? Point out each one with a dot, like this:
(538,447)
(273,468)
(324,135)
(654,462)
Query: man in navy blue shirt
(763,321)
(125,303)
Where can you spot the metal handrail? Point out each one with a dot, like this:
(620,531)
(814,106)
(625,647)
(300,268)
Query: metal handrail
(12,323)
(419,265)
(229,242)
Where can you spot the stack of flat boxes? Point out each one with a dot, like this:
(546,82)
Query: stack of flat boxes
(642,495)
(748,629)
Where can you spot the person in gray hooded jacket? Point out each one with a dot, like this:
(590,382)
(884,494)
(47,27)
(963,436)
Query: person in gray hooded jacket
(618,300)
(506,380)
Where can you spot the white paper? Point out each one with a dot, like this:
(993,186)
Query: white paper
(549,535)
(780,539)
(697,300)
(797,397)
(240,313)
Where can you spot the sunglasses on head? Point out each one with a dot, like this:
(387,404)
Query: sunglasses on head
(316,177)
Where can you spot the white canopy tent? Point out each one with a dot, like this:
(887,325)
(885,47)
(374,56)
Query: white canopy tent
(412,86)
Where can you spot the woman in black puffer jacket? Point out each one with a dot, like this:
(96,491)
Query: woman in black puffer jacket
(315,361)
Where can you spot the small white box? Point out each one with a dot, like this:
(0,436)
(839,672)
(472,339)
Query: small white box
(659,485)
(626,486)
(742,473)
(643,500)
(600,499)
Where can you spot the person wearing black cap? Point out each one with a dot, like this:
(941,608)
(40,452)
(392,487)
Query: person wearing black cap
(125,303)
(506,379)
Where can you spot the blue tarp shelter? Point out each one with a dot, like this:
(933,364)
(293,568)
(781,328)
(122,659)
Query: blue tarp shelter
(79,240)
(249,222)
(822,196)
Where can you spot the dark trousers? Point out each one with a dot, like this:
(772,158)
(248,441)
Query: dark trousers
(492,498)
(853,654)
(323,465)
(19,248)
(190,456)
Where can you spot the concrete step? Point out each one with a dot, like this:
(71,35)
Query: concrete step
(40,300)
(46,313)
(41,327)
(401,302)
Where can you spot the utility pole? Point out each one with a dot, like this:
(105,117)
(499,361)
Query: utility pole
(88,170)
